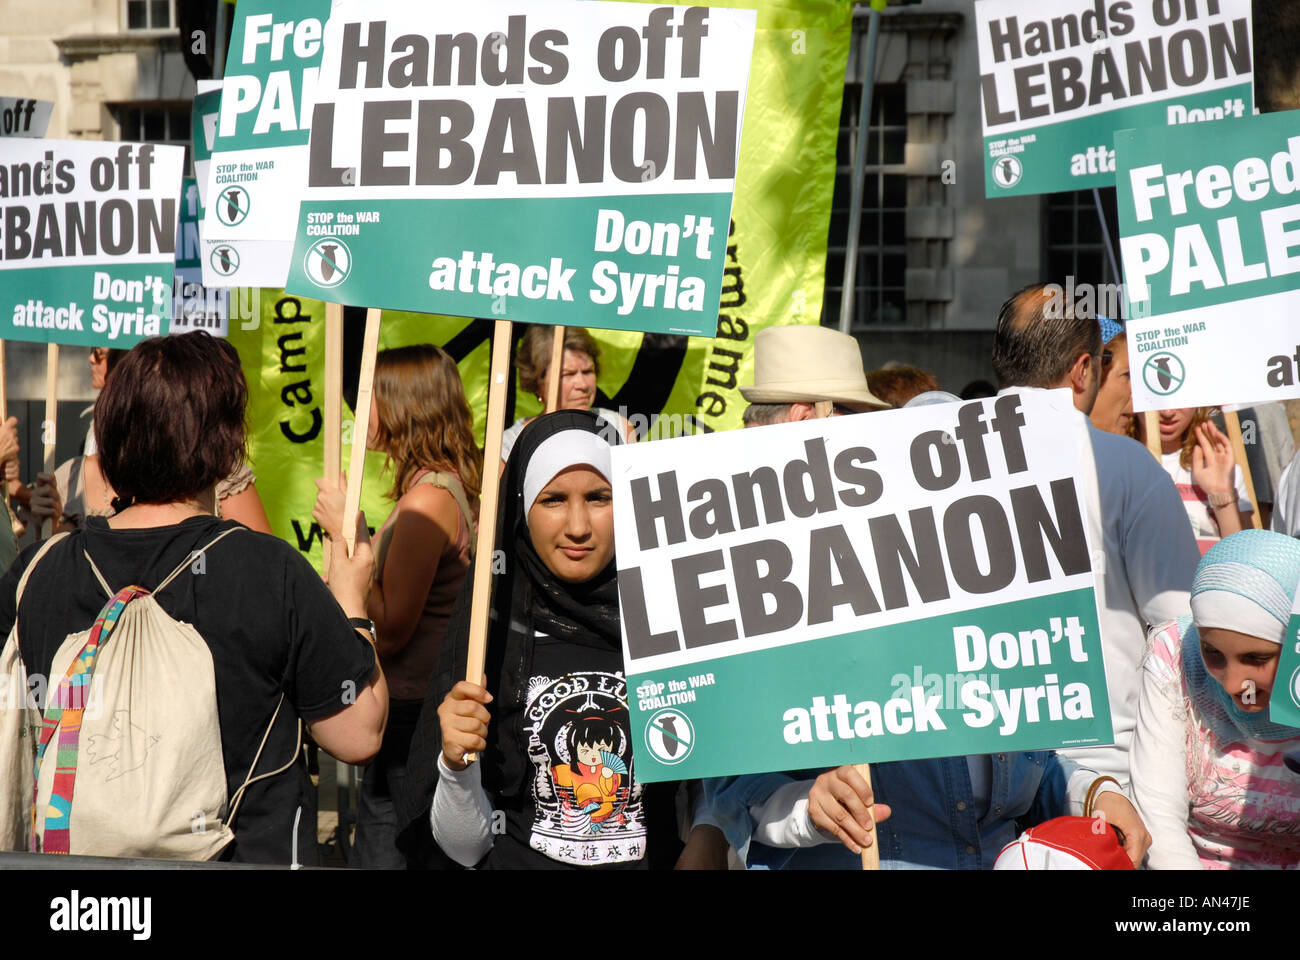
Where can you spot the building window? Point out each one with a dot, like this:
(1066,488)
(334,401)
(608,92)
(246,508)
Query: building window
(879,298)
(166,122)
(1074,243)
(150,15)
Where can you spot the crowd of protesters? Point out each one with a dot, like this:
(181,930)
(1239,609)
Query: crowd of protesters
(162,545)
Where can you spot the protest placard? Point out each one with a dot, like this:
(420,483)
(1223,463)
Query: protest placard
(194,306)
(549,161)
(1284,699)
(888,586)
(1056,81)
(24,117)
(259,158)
(1212,279)
(203,137)
(89,240)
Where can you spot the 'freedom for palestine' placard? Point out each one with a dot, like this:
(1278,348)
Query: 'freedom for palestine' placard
(1210,237)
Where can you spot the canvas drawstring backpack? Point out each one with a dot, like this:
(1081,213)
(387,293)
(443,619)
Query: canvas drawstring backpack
(126,759)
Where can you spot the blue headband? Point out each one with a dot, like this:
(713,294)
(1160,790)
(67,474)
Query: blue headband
(1109,329)
(1245,582)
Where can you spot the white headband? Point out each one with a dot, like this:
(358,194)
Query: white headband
(1225,610)
(568,448)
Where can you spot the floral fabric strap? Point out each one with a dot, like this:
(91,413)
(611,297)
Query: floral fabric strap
(63,714)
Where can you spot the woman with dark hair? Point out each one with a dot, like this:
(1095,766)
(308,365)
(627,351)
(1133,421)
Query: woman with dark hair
(421,420)
(170,425)
(78,489)
(551,725)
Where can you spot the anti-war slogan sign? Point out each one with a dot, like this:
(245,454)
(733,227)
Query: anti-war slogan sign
(548,161)
(1210,237)
(195,307)
(1057,79)
(89,240)
(259,158)
(887,586)
(23,117)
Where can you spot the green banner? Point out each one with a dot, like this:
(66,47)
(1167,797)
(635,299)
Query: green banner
(775,269)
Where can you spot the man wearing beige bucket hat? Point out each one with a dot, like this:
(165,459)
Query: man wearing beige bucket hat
(805,372)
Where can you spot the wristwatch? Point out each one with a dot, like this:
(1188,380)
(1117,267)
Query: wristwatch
(361,623)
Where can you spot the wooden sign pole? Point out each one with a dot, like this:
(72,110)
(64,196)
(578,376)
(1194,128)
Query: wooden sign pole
(357,464)
(1151,426)
(1233,423)
(49,427)
(488,506)
(333,405)
(871,854)
(555,372)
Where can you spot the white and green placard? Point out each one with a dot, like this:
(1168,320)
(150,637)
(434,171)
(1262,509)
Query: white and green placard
(259,158)
(24,117)
(549,161)
(885,586)
(1057,79)
(88,242)
(194,306)
(203,136)
(1210,237)
(1284,698)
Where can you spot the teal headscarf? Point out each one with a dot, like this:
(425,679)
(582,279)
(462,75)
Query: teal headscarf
(1245,582)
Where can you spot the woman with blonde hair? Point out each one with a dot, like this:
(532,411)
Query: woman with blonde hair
(580,366)
(1198,458)
(421,420)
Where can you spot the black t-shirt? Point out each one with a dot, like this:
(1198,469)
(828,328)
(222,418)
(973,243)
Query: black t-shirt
(583,806)
(272,627)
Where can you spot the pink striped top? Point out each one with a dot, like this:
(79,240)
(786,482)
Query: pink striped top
(1243,803)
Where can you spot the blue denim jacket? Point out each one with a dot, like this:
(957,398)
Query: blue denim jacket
(932,824)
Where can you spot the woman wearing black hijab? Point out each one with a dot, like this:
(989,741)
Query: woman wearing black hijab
(554,784)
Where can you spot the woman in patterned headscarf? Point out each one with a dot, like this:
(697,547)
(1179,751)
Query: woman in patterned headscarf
(1215,778)
(553,785)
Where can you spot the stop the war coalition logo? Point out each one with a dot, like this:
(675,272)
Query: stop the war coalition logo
(328,262)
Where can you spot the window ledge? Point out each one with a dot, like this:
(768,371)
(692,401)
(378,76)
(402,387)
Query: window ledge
(89,47)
